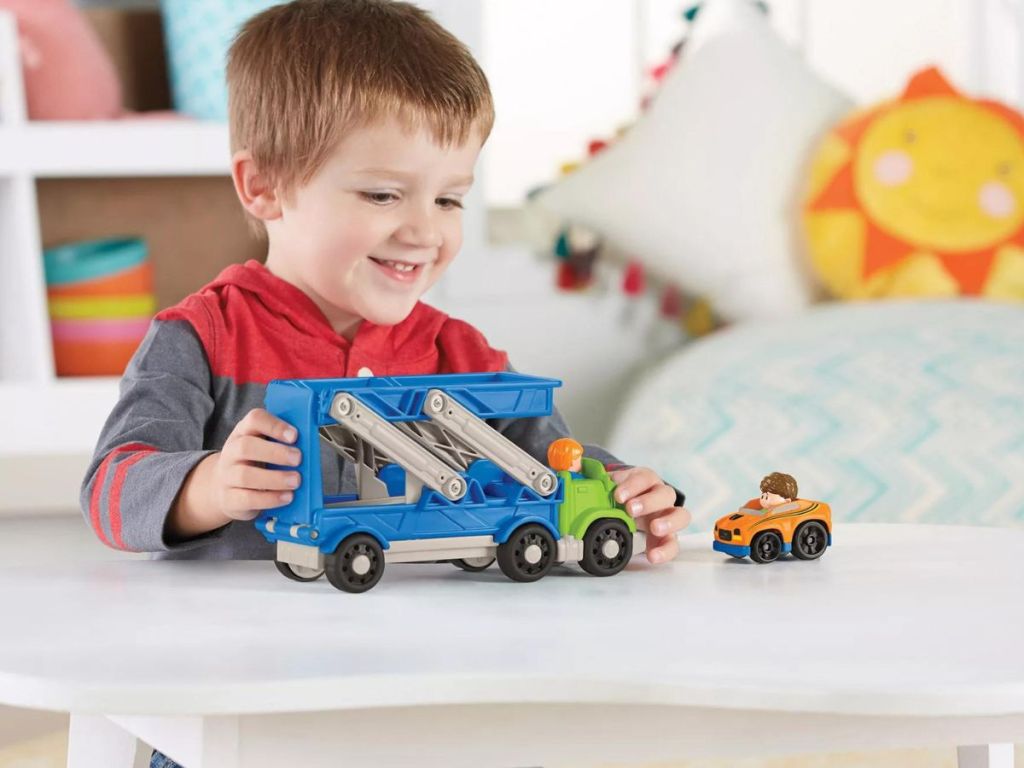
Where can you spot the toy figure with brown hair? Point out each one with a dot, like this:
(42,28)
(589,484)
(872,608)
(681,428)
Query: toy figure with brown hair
(776,489)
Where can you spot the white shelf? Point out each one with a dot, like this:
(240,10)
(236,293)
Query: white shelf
(62,416)
(44,415)
(130,147)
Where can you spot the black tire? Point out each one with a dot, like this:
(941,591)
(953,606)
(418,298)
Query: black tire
(345,566)
(305,574)
(810,540)
(766,547)
(515,555)
(602,533)
(474,567)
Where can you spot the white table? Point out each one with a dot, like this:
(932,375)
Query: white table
(899,636)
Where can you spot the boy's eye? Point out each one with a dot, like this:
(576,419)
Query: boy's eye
(380,198)
(448,203)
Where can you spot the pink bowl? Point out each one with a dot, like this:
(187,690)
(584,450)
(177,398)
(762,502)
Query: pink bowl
(121,329)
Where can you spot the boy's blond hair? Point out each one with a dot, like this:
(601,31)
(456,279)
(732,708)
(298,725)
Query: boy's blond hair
(301,74)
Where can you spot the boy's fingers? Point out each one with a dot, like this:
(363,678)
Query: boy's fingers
(661,549)
(261,422)
(618,475)
(254,448)
(635,481)
(248,477)
(660,498)
(244,504)
(669,522)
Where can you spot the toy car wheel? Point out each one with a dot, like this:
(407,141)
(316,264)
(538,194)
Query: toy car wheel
(528,554)
(766,547)
(474,564)
(299,572)
(356,565)
(810,540)
(607,547)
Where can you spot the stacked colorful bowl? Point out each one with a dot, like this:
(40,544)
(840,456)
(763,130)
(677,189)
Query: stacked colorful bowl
(101,302)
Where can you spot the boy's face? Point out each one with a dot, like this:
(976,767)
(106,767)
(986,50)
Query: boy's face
(377,226)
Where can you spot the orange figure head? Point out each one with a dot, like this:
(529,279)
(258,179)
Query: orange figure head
(565,454)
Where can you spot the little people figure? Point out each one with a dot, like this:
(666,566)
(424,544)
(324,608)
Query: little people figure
(566,455)
(776,489)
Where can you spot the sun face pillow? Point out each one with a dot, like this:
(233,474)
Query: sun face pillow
(920,196)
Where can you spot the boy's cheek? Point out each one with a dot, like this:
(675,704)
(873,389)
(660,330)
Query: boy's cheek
(440,267)
(450,249)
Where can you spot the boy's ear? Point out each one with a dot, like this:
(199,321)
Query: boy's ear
(258,196)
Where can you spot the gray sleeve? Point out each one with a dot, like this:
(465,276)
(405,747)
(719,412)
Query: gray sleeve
(152,439)
(534,435)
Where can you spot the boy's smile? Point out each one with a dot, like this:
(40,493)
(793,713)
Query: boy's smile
(376,226)
(398,270)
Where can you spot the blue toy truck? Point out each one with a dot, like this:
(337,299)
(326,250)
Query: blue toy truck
(435,482)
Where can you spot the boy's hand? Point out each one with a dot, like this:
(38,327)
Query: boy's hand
(241,488)
(652,502)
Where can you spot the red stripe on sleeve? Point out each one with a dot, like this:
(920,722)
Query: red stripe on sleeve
(97,491)
(114,503)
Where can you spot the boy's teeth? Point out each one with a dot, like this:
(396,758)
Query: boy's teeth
(397,265)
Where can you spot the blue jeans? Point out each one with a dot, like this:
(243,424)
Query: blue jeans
(160,760)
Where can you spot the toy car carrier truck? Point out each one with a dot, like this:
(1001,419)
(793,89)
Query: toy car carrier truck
(436,482)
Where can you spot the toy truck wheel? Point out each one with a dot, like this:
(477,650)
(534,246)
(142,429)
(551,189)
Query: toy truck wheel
(810,540)
(474,564)
(356,565)
(528,554)
(607,547)
(766,547)
(299,572)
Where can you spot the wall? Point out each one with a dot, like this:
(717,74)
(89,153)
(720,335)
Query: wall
(564,73)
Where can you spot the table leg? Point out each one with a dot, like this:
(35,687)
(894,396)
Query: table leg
(96,742)
(985,756)
(190,740)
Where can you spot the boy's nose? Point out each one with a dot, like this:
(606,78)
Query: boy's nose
(420,230)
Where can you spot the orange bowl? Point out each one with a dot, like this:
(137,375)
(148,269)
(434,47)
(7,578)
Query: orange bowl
(93,358)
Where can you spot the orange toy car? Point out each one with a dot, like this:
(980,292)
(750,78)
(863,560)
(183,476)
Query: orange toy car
(800,526)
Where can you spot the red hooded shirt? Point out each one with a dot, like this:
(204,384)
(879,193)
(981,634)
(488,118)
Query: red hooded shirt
(256,327)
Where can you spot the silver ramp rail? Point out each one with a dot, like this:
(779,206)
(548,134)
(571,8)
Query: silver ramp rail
(478,434)
(386,437)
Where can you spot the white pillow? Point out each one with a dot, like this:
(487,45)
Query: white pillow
(891,411)
(704,189)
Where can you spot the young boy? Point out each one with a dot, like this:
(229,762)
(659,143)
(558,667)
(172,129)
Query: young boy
(355,128)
